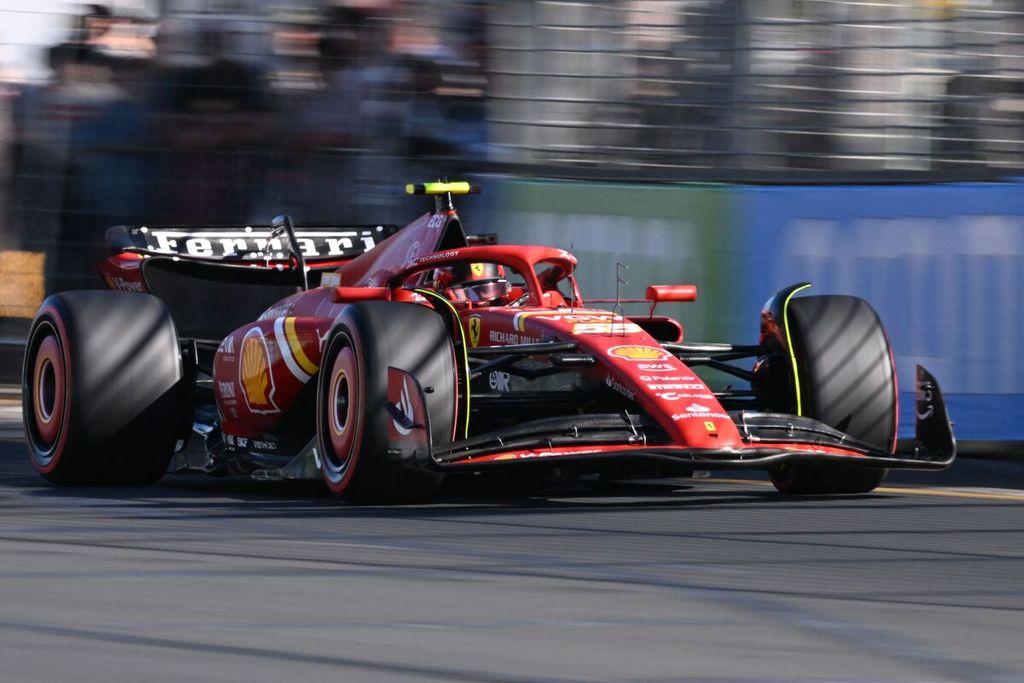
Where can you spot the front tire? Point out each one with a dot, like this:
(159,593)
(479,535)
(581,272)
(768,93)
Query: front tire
(101,388)
(352,416)
(846,378)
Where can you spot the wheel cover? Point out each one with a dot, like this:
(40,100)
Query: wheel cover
(341,420)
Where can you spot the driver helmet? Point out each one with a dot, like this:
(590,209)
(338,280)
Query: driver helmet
(476,282)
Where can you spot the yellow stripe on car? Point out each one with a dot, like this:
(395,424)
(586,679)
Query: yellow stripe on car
(293,343)
(789,343)
(465,351)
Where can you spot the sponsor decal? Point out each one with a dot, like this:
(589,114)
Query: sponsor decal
(248,241)
(118,282)
(697,408)
(667,378)
(657,367)
(228,345)
(619,387)
(242,442)
(439,256)
(226,389)
(519,320)
(404,406)
(676,417)
(499,337)
(264,445)
(677,396)
(498,380)
(411,252)
(477,269)
(639,353)
(254,374)
(278,311)
(683,386)
(606,327)
(711,428)
(705,396)
(474,330)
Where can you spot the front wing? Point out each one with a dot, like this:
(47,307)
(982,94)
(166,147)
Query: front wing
(769,440)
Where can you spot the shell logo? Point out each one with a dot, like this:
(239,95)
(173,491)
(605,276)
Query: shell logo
(254,373)
(639,353)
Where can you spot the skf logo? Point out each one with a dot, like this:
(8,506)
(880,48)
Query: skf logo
(474,329)
(638,353)
(477,269)
(254,373)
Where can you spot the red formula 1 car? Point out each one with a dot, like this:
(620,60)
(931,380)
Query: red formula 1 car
(381,359)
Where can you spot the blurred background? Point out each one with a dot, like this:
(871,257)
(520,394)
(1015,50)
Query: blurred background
(873,148)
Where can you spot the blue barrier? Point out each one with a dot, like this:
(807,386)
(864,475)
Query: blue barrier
(942,264)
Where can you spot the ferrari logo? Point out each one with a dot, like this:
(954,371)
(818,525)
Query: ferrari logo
(478,271)
(710,427)
(474,329)
(254,373)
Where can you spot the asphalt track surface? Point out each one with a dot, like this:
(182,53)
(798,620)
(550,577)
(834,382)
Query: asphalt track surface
(717,580)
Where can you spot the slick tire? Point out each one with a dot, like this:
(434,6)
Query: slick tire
(352,416)
(102,388)
(846,378)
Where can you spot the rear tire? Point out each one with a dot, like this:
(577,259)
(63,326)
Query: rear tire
(846,380)
(101,388)
(352,418)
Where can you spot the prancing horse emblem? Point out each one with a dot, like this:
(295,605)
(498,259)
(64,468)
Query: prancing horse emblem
(474,329)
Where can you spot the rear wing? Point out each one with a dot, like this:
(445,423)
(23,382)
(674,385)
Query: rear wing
(249,245)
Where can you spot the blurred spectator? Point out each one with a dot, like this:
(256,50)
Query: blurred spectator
(964,107)
(69,130)
(809,142)
(212,121)
(322,130)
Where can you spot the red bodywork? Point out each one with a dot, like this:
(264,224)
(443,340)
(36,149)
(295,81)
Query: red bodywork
(261,368)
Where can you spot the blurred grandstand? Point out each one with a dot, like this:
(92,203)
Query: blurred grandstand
(158,111)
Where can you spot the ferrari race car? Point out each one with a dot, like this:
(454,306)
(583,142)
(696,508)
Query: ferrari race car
(381,359)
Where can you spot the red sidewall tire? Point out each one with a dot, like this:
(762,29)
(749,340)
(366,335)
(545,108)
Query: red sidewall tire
(102,388)
(47,438)
(340,402)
